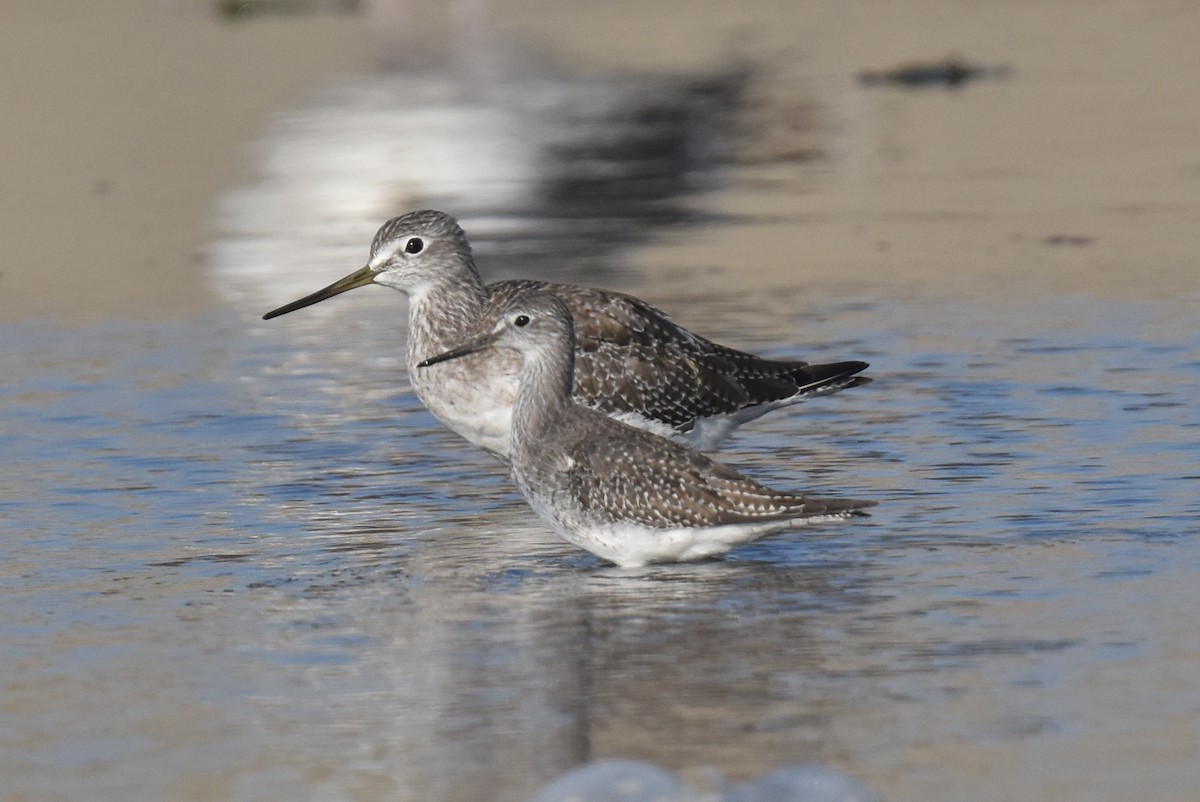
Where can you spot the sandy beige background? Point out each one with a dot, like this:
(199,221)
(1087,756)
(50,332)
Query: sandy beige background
(125,119)
(1095,139)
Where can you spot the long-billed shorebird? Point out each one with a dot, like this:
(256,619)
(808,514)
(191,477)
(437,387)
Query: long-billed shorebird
(624,494)
(631,361)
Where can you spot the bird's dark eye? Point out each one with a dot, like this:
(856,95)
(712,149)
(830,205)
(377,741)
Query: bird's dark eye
(521,321)
(414,245)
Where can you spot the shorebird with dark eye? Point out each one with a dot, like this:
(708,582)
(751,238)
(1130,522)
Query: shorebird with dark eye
(632,362)
(624,494)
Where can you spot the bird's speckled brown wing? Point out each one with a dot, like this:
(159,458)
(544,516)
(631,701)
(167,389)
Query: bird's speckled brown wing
(636,477)
(630,357)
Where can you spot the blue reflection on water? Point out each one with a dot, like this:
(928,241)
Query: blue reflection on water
(269,524)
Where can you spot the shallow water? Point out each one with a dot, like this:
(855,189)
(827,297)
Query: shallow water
(240,561)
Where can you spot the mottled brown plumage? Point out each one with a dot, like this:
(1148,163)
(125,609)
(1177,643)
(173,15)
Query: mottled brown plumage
(622,493)
(633,363)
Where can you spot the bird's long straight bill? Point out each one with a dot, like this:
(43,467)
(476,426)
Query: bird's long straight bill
(358,278)
(469,348)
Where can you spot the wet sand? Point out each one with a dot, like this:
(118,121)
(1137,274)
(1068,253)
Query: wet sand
(124,120)
(127,118)
(1078,176)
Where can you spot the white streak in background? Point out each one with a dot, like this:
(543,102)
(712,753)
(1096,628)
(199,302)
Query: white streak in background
(470,126)
(483,133)
(331,174)
(365,152)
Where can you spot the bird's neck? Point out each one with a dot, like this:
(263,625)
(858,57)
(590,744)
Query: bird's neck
(544,397)
(442,314)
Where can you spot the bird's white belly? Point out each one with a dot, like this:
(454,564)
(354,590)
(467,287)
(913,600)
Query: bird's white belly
(631,545)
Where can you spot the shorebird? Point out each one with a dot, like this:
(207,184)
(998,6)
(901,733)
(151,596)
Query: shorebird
(632,362)
(624,494)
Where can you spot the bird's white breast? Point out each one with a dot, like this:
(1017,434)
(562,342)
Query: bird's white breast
(473,396)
